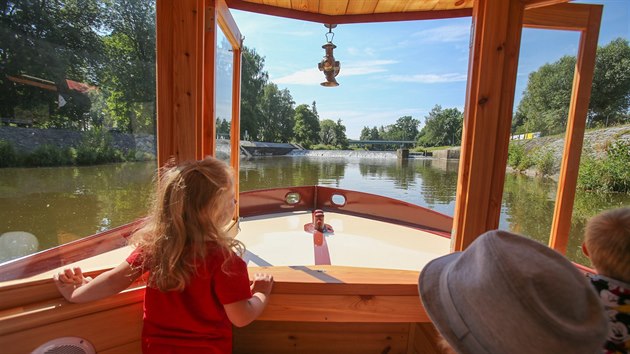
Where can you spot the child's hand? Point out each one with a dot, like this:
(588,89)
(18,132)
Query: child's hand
(69,280)
(262,283)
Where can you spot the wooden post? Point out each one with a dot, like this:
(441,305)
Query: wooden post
(578,108)
(207,143)
(235,152)
(182,54)
(488,116)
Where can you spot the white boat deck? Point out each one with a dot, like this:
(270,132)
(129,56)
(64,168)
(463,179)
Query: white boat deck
(280,240)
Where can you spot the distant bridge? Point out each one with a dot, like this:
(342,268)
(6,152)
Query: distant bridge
(381,142)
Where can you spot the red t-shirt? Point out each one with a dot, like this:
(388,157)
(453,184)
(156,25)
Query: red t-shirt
(195,317)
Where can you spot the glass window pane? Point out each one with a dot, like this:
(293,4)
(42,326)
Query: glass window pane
(77,107)
(224,76)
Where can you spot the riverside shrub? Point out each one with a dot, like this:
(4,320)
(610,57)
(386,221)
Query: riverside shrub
(608,174)
(544,162)
(48,155)
(8,157)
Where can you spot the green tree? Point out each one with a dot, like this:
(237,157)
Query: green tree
(253,81)
(545,103)
(340,135)
(278,114)
(223,127)
(405,128)
(442,127)
(375,134)
(52,41)
(370,134)
(327,132)
(128,74)
(365,133)
(610,96)
(306,129)
(333,133)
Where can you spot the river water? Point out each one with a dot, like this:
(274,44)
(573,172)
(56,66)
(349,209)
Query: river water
(62,204)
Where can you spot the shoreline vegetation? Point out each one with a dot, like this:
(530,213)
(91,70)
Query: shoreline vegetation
(603,167)
(95,148)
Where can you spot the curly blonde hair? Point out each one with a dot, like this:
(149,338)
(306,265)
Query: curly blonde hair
(607,240)
(188,215)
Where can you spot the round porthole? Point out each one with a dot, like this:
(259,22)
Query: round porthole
(66,345)
(292,198)
(338,200)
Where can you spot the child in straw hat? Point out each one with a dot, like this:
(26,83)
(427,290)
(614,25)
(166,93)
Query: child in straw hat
(607,244)
(508,294)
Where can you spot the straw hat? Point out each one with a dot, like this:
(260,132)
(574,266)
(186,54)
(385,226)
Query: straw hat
(509,294)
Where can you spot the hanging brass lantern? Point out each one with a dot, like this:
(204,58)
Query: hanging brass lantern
(329,65)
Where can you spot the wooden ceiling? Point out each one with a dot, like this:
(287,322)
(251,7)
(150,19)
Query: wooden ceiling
(353,11)
(361,11)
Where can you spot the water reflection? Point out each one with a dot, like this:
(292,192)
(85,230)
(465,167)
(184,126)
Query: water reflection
(59,205)
(271,172)
(439,181)
(529,205)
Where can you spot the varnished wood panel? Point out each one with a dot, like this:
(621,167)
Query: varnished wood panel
(180,63)
(423,339)
(488,115)
(530,4)
(386,209)
(57,309)
(578,109)
(265,202)
(304,338)
(228,24)
(303,5)
(339,280)
(21,294)
(105,330)
(134,347)
(362,7)
(573,17)
(332,7)
(344,308)
(356,11)
(67,253)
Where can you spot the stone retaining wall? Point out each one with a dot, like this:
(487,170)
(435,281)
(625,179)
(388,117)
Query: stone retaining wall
(446,154)
(28,139)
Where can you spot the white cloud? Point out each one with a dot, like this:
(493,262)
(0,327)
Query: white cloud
(366,67)
(312,76)
(368,51)
(428,78)
(309,76)
(453,33)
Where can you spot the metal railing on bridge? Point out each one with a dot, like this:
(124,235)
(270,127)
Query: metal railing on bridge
(381,142)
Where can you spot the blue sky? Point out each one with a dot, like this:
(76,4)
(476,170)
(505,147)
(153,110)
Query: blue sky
(394,69)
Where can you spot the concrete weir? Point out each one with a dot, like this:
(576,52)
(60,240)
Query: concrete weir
(255,148)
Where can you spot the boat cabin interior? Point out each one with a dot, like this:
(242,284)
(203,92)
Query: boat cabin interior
(366,301)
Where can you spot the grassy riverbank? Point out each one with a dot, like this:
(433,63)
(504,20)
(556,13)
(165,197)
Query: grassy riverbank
(603,166)
(95,148)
